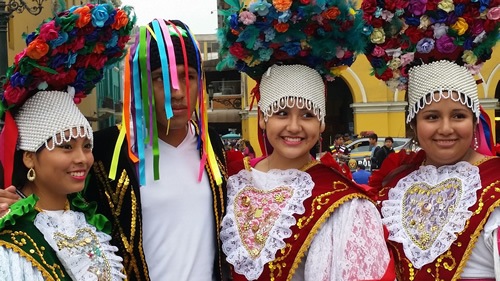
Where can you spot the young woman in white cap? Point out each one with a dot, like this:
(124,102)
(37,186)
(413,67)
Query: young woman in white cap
(439,204)
(53,233)
(289,216)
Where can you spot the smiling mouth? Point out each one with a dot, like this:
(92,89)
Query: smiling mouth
(292,140)
(77,174)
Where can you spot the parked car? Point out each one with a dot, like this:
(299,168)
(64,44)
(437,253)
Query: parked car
(360,150)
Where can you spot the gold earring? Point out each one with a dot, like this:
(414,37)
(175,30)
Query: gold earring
(31,175)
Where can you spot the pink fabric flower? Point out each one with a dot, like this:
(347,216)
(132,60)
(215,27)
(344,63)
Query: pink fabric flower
(493,13)
(378,51)
(407,58)
(49,31)
(247,18)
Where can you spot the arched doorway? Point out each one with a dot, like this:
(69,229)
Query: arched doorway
(339,115)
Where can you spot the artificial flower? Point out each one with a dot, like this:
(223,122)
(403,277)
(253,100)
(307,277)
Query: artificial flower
(37,49)
(282,5)
(261,7)
(460,26)
(49,31)
(445,45)
(331,13)
(425,45)
(469,57)
(440,29)
(446,5)
(84,16)
(121,20)
(377,36)
(247,17)
(99,16)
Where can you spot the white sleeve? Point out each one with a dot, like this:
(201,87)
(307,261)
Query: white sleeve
(491,239)
(350,245)
(13,267)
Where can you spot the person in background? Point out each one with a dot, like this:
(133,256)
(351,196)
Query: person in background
(289,216)
(439,204)
(52,233)
(361,176)
(381,153)
(347,139)
(248,150)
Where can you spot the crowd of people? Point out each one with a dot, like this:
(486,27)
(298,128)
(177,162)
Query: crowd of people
(160,198)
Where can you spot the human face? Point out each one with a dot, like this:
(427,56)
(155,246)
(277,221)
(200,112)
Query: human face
(388,144)
(180,98)
(372,141)
(339,141)
(63,170)
(292,132)
(445,130)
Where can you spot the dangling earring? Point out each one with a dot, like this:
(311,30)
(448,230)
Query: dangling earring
(31,175)
(476,145)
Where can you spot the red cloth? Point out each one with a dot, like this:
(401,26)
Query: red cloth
(8,142)
(400,165)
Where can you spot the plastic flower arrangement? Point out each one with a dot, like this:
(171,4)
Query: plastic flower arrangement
(322,34)
(400,32)
(72,49)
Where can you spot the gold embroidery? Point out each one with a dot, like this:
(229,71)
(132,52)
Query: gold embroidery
(20,239)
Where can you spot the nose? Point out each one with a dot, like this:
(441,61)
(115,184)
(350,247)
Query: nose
(445,127)
(293,124)
(82,155)
(177,94)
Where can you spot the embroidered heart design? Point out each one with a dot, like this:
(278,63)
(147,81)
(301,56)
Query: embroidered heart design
(256,211)
(85,242)
(427,209)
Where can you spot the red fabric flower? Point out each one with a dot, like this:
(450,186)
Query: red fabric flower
(238,51)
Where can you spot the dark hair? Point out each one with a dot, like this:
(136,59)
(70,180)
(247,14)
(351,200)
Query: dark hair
(20,170)
(389,139)
(250,148)
(338,136)
(361,166)
(373,136)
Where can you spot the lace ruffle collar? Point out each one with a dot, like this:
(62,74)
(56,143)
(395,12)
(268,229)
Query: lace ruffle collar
(259,215)
(428,207)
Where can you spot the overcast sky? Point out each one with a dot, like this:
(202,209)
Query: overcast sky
(199,15)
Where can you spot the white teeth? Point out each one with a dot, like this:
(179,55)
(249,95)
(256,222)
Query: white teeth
(77,174)
(293,139)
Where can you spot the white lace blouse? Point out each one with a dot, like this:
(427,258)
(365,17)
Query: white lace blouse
(349,246)
(85,253)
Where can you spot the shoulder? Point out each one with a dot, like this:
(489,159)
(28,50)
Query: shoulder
(19,211)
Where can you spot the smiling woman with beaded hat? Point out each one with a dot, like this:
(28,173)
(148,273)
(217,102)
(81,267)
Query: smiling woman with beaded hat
(290,217)
(439,204)
(52,233)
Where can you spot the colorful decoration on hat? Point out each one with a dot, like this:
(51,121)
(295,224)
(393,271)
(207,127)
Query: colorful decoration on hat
(321,34)
(165,44)
(401,32)
(72,49)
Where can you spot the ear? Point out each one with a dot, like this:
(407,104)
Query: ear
(29,159)
(262,123)
(322,127)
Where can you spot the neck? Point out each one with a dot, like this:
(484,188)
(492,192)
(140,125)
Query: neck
(46,200)
(274,161)
(174,137)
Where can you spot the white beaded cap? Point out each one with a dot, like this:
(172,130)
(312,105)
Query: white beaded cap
(292,85)
(48,114)
(440,77)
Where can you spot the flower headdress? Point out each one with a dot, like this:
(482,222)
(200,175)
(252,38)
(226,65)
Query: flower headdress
(64,59)
(72,49)
(401,32)
(321,34)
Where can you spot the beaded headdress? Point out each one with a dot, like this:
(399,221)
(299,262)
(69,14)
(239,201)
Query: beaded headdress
(161,44)
(436,80)
(46,116)
(64,59)
(292,85)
